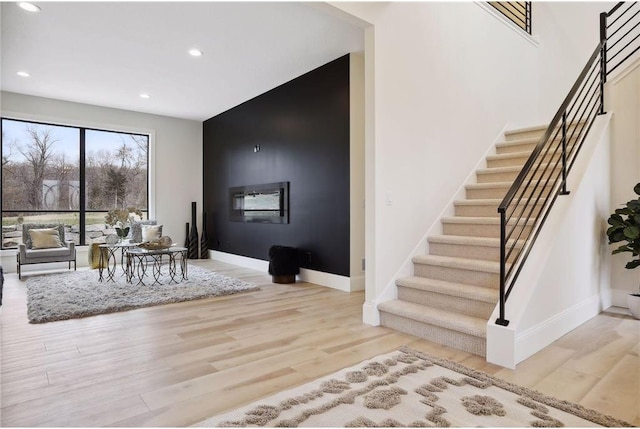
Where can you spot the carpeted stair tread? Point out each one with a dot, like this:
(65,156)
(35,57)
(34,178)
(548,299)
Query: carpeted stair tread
(518,142)
(480,220)
(510,169)
(510,155)
(469,241)
(457,322)
(472,292)
(496,185)
(485,202)
(540,128)
(489,185)
(458,263)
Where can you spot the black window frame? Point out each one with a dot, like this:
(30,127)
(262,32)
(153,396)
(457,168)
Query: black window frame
(82,211)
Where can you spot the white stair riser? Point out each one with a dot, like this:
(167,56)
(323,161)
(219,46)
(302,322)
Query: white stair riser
(457,275)
(446,302)
(446,337)
(483,253)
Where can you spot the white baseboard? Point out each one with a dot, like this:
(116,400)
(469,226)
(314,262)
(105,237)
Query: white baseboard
(333,281)
(540,336)
(370,314)
(242,261)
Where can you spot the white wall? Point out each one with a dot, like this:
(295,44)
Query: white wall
(565,281)
(175,158)
(624,100)
(444,84)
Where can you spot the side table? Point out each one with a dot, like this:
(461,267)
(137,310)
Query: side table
(109,260)
(138,260)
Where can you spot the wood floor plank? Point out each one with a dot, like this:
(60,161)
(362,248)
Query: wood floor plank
(177,364)
(618,391)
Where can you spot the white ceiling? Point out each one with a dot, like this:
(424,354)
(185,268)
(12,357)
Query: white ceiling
(107,53)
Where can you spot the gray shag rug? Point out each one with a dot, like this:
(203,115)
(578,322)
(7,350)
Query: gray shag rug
(79,293)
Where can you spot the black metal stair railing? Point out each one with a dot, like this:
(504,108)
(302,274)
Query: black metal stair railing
(528,202)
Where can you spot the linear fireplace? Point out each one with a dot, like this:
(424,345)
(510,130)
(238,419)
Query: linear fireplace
(266,203)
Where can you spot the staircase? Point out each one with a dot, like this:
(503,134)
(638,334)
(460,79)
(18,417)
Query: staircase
(454,288)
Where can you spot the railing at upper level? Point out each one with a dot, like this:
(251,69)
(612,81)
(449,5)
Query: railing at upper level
(528,202)
(519,12)
(618,28)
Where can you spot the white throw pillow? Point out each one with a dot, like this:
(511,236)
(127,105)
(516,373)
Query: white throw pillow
(151,232)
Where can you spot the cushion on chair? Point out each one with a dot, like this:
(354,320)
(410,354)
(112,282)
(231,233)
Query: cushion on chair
(151,232)
(136,229)
(45,238)
(58,252)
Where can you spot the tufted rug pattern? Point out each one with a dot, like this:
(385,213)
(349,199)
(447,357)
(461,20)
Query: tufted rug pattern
(408,388)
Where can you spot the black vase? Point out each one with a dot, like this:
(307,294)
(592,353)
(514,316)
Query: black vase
(193,236)
(186,237)
(204,239)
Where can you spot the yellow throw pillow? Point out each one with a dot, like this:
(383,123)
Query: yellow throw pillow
(151,232)
(45,238)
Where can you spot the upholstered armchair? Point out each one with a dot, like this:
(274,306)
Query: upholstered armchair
(42,243)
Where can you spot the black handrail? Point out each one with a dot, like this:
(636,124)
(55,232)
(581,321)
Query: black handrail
(543,178)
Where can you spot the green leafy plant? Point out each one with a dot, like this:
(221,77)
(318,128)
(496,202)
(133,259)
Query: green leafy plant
(625,227)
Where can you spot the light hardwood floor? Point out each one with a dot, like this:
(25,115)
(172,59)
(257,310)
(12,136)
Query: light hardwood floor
(177,364)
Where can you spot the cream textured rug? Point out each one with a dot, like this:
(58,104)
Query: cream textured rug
(79,293)
(408,388)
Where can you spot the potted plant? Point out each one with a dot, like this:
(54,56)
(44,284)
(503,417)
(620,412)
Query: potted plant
(625,227)
(121,218)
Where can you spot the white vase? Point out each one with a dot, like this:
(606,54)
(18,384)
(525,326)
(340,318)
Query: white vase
(633,301)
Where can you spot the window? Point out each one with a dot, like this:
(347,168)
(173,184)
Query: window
(519,12)
(69,175)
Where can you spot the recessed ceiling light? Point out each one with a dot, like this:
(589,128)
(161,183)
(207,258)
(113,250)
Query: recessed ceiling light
(23,74)
(143,95)
(29,6)
(195,52)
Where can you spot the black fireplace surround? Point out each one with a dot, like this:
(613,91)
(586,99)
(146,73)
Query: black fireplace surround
(296,133)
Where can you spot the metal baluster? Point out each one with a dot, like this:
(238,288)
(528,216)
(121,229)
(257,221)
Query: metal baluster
(564,191)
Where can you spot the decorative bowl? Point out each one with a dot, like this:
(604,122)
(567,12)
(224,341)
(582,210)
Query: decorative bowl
(163,242)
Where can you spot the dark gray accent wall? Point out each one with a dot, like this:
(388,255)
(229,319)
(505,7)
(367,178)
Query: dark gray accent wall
(302,128)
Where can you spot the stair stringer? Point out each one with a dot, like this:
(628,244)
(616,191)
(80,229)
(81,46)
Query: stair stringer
(565,280)
(371,314)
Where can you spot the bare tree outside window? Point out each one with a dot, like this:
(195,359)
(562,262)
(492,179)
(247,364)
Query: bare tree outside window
(42,178)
